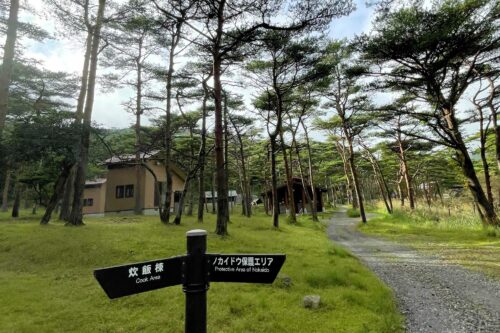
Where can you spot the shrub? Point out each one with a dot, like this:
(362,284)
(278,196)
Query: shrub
(351,212)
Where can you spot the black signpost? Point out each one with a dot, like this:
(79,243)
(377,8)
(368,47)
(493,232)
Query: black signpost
(194,271)
(132,279)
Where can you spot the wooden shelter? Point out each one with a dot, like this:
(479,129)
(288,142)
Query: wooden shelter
(299,197)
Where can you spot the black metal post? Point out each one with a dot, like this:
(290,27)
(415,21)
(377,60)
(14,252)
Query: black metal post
(196,282)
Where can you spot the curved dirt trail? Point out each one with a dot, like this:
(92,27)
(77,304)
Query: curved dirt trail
(433,295)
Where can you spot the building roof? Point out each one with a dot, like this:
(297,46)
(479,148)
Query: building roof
(94,182)
(130,157)
(152,155)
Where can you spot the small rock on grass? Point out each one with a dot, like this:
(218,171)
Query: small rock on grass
(312,301)
(283,281)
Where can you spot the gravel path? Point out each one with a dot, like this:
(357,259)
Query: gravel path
(433,295)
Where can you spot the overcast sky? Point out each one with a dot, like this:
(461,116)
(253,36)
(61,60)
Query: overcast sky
(66,55)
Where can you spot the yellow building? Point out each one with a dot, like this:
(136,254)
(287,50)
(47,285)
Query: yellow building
(94,197)
(116,193)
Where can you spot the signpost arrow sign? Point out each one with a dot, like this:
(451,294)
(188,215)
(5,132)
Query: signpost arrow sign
(194,271)
(136,278)
(250,268)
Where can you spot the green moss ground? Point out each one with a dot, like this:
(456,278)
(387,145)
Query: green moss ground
(46,282)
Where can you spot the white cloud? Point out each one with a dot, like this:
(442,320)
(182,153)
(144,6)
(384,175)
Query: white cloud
(358,22)
(109,112)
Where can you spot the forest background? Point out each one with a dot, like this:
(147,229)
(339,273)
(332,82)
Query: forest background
(248,95)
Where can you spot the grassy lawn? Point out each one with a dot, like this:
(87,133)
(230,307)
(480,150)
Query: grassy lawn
(46,282)
(458,238)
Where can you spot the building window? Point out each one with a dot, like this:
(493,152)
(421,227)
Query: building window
(120,191)
(88,202)
(125,191)
(129,191)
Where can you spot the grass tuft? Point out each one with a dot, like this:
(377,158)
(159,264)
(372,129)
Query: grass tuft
(326,279)
(492,232)
(339,252)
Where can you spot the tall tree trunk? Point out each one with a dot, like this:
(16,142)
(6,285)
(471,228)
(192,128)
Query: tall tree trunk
(438,189)
(266,187)
(247,196)
(248,192)
(76,217)
(82,94)
(222,188)
(156,184)
(180,209)
(328,192)
(191,201)
(408,181)
(5,193)
(201,194)
(167,134)
(266,202)
(334,193)
(67,196)
(274,184)
(486,210)
(56,195)
(242,191)
(404,168)
(497,136)
(289,181)
(379,176)
(385,196)
(214,185)
(17,199)
(483,134)
(226,150)
(69,188)
(192,169)
(385,186)
(246,202)
(355,181)
(311,174)
(494,118)
(487,176)
(400,192)
(8,61)
(202,155)
(241,178)
(302,176)
(429,195)
(345,162)
(137,127)
(221,177)
(273,136)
